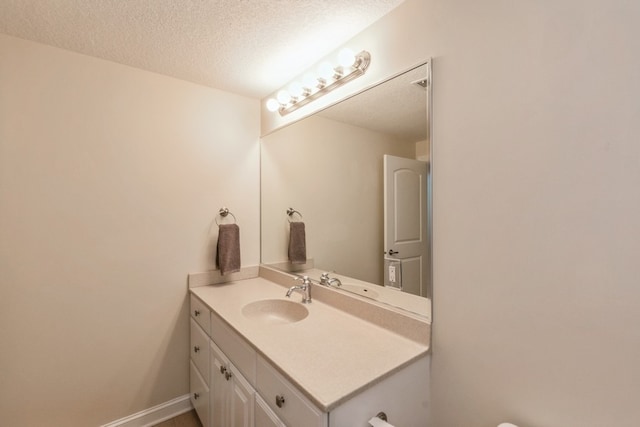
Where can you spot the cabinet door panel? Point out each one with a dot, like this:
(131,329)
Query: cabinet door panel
(220,388)
(241,404)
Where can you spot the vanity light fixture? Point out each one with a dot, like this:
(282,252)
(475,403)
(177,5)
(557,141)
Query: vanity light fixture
(329,77)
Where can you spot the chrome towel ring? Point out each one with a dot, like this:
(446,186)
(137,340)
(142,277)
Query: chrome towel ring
(223,212)
(292,211)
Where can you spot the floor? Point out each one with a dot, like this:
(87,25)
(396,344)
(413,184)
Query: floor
(188,419)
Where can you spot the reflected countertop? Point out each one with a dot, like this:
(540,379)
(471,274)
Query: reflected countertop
(386,295)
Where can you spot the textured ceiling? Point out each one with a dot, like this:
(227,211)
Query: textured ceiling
(397,107)
(250,47)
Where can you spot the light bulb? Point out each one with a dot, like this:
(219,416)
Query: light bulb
(310,81)
(272,104)
(283,97)
(326,71)
(346,58)
(295,89)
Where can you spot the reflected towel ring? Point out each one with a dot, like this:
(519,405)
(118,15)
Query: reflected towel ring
(223,212)
(291,211)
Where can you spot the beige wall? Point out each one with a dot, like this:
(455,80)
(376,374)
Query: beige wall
(536,167)
(536,231)
(109,180)
(331,172)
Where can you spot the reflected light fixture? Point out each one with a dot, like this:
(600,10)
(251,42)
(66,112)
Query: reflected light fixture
(329,77)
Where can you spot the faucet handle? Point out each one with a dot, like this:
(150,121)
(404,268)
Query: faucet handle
(305,279)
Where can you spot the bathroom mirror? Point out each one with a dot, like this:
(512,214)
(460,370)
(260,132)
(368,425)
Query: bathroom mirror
(328,167)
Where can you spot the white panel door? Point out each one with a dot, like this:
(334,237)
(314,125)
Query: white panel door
(405,222)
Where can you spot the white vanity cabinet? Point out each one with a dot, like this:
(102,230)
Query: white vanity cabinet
(240,375)
(232,368)
(220,393)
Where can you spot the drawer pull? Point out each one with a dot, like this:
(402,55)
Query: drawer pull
(279,401)
(196,396)
(223,369)
(196,349)
(228,375)
(196,313)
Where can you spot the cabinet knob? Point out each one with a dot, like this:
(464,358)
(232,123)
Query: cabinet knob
(227,375)
(382,416)
(279,401)
(196,313)
(223,369)
(196,348)
(196,395)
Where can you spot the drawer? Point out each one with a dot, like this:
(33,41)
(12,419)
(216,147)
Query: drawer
(285,400)
(241,354)
(200,350)
(200,312)
(199,394)
(264,416)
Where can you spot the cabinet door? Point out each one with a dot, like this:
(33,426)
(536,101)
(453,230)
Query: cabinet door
(220,388)
(264,416)
(241,400)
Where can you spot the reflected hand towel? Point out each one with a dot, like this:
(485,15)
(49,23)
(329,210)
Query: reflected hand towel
(297,243)
(228,251)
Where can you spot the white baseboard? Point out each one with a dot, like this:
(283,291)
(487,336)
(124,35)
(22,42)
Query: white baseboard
(156,414)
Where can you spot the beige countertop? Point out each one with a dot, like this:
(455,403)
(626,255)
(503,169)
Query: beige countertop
(330,355)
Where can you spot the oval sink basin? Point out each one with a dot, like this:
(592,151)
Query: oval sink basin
(365,291)
(275,311)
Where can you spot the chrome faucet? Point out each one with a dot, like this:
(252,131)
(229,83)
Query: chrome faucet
(329,281)
(305,289)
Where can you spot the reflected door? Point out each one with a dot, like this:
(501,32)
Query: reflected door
(405,224)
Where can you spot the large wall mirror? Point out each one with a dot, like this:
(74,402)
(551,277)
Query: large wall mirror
(358,175)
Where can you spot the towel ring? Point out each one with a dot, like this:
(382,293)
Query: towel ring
(290,213)
(223,212)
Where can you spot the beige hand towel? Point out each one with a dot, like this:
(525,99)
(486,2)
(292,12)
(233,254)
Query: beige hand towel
(228,252)
(297,243)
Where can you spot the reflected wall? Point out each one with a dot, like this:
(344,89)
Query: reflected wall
(331,172)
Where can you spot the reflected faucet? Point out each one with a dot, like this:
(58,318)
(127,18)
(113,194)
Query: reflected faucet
(329,281)
(305,289)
